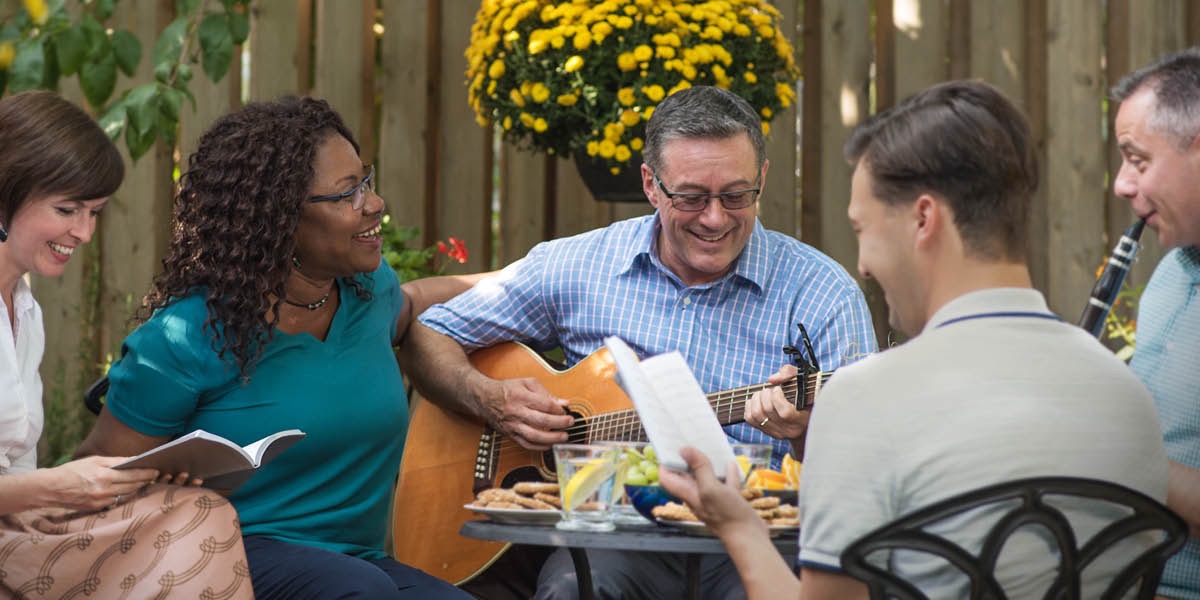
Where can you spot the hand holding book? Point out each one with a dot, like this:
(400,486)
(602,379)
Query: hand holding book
(222,464)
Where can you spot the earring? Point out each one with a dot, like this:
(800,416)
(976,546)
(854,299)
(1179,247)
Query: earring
(3,234)
(295,261)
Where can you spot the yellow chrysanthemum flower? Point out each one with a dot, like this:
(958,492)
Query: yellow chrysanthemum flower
(658,47)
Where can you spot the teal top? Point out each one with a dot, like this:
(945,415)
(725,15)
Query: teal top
(333,488)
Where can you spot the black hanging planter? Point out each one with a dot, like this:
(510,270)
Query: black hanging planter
(625,186)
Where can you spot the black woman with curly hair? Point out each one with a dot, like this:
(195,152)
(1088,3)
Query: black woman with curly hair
(274,310)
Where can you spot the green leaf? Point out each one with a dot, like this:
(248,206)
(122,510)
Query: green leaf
(98,80)
(166,127)
(71,46)
(138,143)
(182,87)
(183,7)
(170,43)
(172,102)
(29,67)
(104,9)
(113,119)
(216,46)
(128,51)
(239,27)
(97,40)
(142,106)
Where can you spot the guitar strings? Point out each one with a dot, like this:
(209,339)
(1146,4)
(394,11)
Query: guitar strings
(618,425)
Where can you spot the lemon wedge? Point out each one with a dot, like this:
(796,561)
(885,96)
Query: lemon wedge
(585,482)
(743,465)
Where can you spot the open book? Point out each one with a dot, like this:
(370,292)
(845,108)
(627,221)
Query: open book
(222,464)
(673,408)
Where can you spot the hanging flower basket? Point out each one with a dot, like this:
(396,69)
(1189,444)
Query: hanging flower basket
(580,79)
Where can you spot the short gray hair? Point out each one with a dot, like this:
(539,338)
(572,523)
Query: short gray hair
(702,112)
(1175,81)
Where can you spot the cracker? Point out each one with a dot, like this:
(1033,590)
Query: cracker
(532,488)
(791,521)
(765,502)
(674,511)
(531,503)
(549,499)
(751,493)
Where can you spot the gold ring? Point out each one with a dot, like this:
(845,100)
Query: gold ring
(764,422)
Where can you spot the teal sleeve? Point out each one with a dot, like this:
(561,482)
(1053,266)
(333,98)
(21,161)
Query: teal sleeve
(166,366)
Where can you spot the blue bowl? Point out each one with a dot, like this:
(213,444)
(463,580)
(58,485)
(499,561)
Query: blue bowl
(645,497)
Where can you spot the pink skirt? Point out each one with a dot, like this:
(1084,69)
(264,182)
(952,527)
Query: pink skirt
(167,542)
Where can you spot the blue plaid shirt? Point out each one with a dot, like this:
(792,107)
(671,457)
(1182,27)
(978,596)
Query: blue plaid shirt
(574,292)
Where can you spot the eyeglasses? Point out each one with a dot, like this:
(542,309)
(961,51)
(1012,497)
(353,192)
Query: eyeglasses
(698,201)
(360,191)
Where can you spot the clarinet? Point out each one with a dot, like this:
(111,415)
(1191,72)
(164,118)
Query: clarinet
(1109,284)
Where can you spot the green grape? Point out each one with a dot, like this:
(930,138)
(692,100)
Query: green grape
(651,471)
(649,453)
(635,476)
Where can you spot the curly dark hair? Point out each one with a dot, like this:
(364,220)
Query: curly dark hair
(235,221)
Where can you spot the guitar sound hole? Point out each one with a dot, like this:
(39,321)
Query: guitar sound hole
(576,434)
(520,474)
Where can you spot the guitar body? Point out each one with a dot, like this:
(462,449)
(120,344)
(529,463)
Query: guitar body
(448,458)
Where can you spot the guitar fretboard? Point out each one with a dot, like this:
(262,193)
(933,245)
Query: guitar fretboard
(729,406)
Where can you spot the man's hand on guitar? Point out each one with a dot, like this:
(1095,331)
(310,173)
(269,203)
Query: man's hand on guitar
(523,410)
(769,411)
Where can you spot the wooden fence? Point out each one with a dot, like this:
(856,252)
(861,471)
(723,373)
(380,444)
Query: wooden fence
(395,70)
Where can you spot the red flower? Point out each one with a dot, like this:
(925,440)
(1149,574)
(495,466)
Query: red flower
(459,250)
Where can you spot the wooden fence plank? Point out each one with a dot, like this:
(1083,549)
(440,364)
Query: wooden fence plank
(921,32)
(212,101)
(845,78)
(779,206)
(523,198)
(1034,17)
(464,202)
(575,210)
(340,71)
(279,53)
(403,126)
(998,46)
(1075,157)
(136,223)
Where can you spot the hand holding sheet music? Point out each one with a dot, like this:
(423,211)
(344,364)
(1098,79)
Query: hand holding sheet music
(672,407)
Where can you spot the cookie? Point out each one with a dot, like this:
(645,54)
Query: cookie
(549,499)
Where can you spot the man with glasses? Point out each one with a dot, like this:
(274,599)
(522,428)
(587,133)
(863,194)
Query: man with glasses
(701,276)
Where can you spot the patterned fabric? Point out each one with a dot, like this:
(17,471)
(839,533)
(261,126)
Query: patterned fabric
(1168,352)
(574,292)
(168,542)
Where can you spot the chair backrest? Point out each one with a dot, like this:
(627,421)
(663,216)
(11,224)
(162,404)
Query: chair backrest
(93,397)
(909,533)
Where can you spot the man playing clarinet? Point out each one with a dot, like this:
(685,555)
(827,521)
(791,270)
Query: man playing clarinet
(1158,132)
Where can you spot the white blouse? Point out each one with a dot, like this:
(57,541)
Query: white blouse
(20,383)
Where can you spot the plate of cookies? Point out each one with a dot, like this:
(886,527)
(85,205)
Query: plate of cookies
(780,518)
(526,503)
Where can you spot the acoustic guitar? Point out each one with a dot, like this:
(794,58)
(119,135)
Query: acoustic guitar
(448,458)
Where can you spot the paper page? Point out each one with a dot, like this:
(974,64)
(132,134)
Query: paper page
(672,407)
(686,411)
(262,451)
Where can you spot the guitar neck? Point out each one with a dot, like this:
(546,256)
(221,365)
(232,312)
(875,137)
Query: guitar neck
(729,406)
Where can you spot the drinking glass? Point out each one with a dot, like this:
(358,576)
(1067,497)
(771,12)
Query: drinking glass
(621,511)
(585,479)
(751,457)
